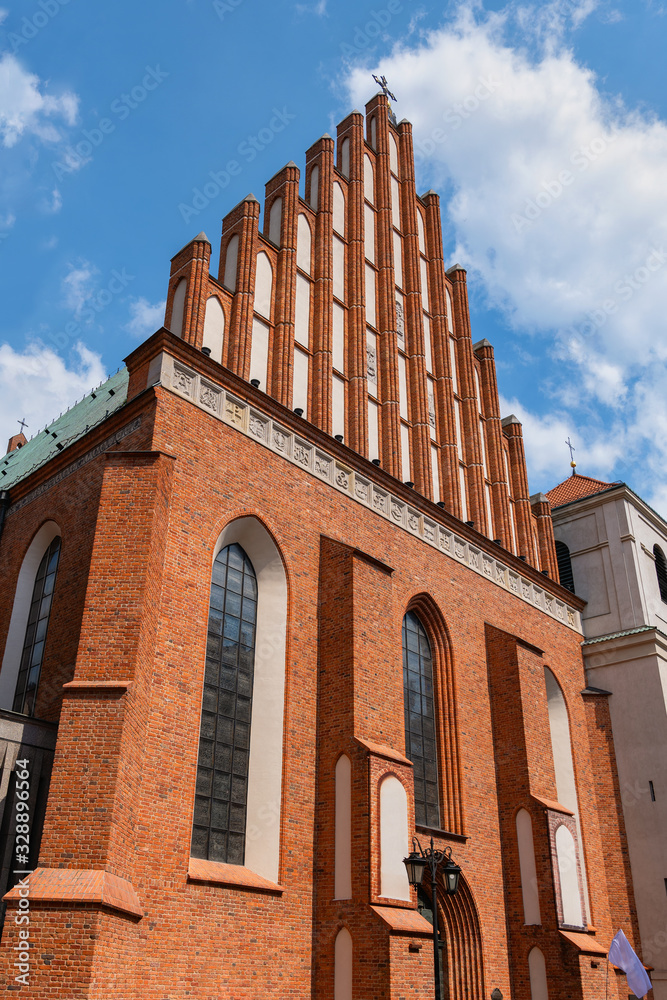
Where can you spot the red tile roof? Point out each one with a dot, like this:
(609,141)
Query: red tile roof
(575,487)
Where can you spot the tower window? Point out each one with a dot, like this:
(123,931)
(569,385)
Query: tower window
(224,742)
(565,574)
(661,571)
(420,734)
(32,656)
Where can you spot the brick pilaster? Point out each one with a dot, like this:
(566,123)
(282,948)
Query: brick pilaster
(191,263)
(284,185)
(243,222)
(321,154)
(517,460)
(494,443)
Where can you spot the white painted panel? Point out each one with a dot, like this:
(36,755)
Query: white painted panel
(300,385)
(428,353)
(338,209)
(302,311)
(459,437)
(303,242)
(531,899)
(275,221)
(373,430)
(478,387)
(343,965)
(338,404)
(370,296)
(452,362)
(178,308)
(398,260)
(214,327)
(405,453)
(489,510)
(421,231)
(403,386)
(372,363)
(231,264)
(482,438)
(400,319)
(339,268)
(338,345)
(430,391)
(394,844)
(538,975)
(263,285)
(315,187)
(345,158)
(423,271)
(561,747)
(369,180)
(18,624)
(464,495)
(435,472)
(569,883)
(262,848)
(369,233)
(259,352)
(450,312)
(395,203)
(393,154)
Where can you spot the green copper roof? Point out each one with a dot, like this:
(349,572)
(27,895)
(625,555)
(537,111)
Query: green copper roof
(68,428)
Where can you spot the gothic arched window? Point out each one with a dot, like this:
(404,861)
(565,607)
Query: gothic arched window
(32,656)
(219,825)
(661,571)
(565,574)
(420,733)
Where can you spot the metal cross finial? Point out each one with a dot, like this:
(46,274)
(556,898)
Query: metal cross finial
(22,424)
(572,449)
(382,82)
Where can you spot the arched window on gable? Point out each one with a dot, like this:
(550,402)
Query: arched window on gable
(219,827)
(34,642)
(661,571)
(420,731)
(565,574)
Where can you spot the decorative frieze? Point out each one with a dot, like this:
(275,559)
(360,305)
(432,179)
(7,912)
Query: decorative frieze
(239,414)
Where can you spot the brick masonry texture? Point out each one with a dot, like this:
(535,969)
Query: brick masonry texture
(124,663)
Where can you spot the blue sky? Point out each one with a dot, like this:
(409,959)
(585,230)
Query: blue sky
(541,125)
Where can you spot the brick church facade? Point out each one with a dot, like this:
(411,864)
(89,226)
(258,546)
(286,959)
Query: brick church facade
(275,599)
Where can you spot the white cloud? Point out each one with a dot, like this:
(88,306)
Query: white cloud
(145,318)
(7,220)
(26,110)
(79,286)
(319,8)
(53,205)
(37,384)
(3,14)
(558,204)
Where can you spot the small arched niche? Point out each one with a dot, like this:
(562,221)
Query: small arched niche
(263,285)
(275,221)
(394,841)
(178,308)
(231,264)
(214,328)
(303,244)
(538,975)
(343,965)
